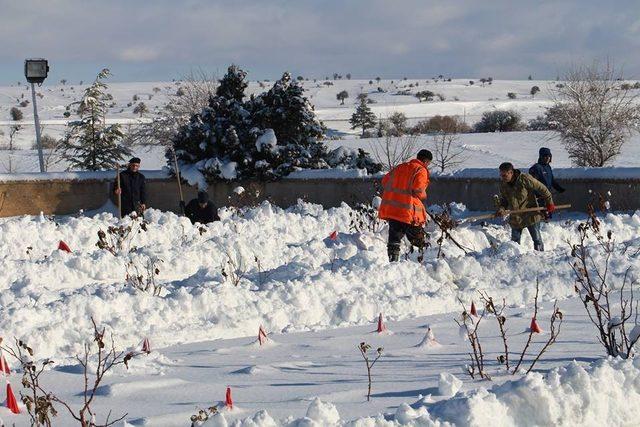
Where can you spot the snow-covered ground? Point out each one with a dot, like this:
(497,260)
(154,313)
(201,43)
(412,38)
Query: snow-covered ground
(318,299)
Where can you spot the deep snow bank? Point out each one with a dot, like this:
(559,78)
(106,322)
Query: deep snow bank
(606,392)
(47,296)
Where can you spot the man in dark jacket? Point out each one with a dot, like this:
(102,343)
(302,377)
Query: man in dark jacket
(518,191)
(542,171)
(132,188)
(201,209)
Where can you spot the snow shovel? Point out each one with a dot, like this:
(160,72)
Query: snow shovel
(175,162)
(493,215)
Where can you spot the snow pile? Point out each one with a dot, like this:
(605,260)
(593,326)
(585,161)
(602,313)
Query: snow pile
(448,384)
(302,282)
(607,392)
(604,393)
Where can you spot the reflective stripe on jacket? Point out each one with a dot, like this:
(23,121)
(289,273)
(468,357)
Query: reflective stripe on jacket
(404,189)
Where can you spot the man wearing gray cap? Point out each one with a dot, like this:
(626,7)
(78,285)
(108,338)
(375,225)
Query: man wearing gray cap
(132,188)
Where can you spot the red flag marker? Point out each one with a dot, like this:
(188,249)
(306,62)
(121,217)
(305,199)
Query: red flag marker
(381,325)
(334,235)
(12,403)
(535,327)
(474,312)
(228,402)
(62,246)
(262,335)
(4,366)
(146,346)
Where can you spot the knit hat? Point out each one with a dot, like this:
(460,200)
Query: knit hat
(135,160)
(544,151)
(203,197)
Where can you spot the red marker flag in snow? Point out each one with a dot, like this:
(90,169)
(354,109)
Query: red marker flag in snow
(146,346)
(12,403)
(535,327)
(262,335)
(228,401)
(4,367)
(381,325)
(474,312)
(64,247)
(334,235)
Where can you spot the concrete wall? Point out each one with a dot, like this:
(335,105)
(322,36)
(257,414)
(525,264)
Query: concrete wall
(63,196)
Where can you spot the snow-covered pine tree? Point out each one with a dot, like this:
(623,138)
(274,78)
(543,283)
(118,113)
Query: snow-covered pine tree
(233,84)
(264,137)
(216,139)
(298,132)
(363,117)
(89,143)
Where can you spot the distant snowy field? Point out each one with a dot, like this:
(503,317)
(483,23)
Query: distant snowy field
(461,99)
(318,300)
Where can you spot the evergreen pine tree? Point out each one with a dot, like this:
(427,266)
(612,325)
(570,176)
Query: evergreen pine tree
(363,117)
(233,84)
(89,143)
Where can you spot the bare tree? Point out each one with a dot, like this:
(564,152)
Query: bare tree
(594,114)
(194,93)
(447,150)
(391,150)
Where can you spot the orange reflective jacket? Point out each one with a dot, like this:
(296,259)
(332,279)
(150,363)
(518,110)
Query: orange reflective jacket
(405,187)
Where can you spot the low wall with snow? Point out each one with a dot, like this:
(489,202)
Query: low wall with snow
(67,193)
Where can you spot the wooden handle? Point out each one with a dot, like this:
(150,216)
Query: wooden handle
(119,195)
(493,215)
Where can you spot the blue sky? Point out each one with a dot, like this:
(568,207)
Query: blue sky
(160,40)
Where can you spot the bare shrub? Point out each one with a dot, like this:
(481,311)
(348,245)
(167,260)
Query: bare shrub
(449,124)
(598,293)
(390,151)
(233,268)
(364,217)
(593,114)
(142,276)
(447,151)
(16,114)
(191,97)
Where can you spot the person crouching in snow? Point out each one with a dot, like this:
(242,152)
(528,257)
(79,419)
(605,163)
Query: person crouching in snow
(201,209)
(518,191)
(404,189)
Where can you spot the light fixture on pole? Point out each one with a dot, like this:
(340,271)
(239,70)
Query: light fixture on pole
(36,70)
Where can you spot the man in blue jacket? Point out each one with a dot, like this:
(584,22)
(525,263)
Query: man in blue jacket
(542,171)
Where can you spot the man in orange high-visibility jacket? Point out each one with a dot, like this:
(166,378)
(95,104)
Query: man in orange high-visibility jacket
(404,189)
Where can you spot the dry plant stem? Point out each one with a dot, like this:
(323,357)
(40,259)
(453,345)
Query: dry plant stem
(106,360)
(39,406)
(477,358)
(445,229)
(491,307)
(363,350)
(554,331)
(535,315)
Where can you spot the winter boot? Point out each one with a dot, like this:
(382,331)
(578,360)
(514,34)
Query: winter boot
(394,253)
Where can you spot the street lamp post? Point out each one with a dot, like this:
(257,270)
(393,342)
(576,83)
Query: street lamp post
(36,70)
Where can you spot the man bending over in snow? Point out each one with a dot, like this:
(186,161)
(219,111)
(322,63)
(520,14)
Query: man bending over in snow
(518,191)
(404,189)
(201,209)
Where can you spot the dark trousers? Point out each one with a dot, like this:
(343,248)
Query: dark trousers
(397,230)
(534,231)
